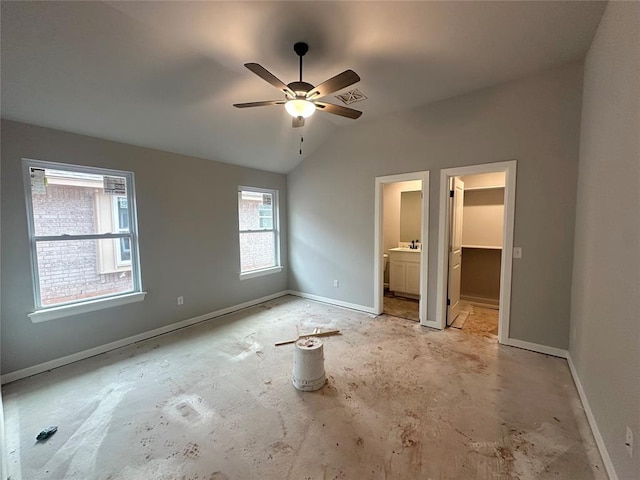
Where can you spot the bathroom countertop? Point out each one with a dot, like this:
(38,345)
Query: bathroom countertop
(404,249)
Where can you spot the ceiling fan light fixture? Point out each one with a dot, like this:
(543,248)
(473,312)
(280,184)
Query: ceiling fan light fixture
(300,99)
(299,107)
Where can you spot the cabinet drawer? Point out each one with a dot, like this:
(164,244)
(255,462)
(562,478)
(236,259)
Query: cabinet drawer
(409,257)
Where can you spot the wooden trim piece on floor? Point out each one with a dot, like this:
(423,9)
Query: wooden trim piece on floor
(606,459)
(59,362)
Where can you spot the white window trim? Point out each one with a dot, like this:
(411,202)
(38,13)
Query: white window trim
(276,233)
(63,311)
(260,273)
(45,313)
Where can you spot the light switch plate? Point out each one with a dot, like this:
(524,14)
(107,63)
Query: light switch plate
(517,252)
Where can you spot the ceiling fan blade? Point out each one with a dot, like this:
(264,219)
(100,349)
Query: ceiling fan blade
(340,81)
(338,110)
(297,122)
(269,77)
(259,104)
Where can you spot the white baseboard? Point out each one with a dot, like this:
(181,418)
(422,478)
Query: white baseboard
(536,347)
(608,464)
(58,362)
(481,300)
(331,301)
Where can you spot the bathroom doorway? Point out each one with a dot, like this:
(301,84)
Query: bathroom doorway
(490,189)
(401,246)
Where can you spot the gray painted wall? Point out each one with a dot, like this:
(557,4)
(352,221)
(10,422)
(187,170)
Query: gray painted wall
(3,450)
(188,228)
(535,120)
(605,315)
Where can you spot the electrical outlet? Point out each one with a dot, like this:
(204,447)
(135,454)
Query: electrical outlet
(180,300)
(628,442)
(517,252)
(336,283)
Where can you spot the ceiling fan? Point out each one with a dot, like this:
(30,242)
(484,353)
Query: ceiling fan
(301,97)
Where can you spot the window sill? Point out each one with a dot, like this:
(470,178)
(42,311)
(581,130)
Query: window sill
(53,313)
(260,273)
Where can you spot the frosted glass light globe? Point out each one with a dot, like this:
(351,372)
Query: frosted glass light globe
(300,108)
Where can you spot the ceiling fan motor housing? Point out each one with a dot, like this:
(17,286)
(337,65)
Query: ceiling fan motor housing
(300,88)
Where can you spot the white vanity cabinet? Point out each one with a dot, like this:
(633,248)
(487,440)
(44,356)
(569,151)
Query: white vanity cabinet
(404,271)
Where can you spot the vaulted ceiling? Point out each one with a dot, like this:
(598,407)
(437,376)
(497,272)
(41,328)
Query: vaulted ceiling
(165,74)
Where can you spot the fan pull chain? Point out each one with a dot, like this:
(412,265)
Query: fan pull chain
(301,138)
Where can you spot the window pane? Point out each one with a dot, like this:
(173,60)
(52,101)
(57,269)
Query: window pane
(266,217)
(257,250)
(76,203)
(256,210)
(72,270)
(122,214)
(124,250)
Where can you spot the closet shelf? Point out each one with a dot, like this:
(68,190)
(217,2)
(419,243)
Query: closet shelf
(486,247)
(487,187)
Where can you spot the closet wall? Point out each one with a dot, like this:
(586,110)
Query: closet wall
(483,217)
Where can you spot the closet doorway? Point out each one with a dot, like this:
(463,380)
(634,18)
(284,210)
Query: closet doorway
(475,245)
(476,228)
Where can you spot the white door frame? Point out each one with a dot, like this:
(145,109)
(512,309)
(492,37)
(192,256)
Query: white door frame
(509,168)
(378,281)
(3,448)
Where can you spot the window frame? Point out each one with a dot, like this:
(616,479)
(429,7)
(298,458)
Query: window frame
(277,267)
(42,312)
(115,201)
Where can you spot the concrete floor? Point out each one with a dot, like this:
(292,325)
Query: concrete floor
(401,307)
(477,320)
(215,401)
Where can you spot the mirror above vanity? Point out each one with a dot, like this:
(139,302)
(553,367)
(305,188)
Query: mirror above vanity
(410,210)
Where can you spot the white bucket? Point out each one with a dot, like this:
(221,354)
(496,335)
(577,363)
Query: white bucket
(308,365)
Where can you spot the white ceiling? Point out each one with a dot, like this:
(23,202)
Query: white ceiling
(165,74)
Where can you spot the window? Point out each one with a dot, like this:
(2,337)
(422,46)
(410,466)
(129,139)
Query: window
(83,237)
(121,222)
(259,235)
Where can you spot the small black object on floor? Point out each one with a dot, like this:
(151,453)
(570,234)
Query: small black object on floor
(46,433)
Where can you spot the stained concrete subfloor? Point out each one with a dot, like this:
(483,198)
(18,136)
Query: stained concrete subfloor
(215,401)
(401,307)
(477,320)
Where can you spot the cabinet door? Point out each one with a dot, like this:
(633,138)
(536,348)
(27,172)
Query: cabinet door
(413,278)
(397,276)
